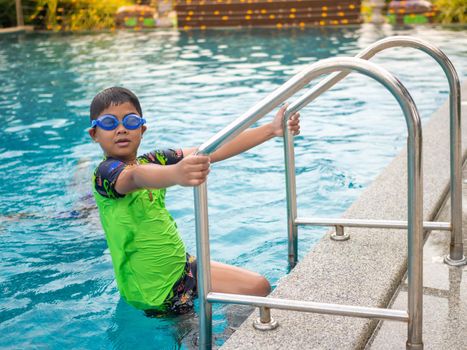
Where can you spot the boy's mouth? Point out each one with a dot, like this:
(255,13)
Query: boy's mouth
(123,142)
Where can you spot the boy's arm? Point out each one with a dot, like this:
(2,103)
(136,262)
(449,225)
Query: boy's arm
(190,171)
(253,137)
(243,142)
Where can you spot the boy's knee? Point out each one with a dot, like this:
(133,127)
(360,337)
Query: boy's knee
(263,288)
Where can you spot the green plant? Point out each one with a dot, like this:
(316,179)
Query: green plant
(452,11)
(76,15)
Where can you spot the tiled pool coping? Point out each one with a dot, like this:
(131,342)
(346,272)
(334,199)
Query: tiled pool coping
(367,269)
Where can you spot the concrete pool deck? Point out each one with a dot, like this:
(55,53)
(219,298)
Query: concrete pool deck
(444,295)
(367,270)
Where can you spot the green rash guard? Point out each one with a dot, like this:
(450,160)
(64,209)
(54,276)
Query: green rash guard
(147,252)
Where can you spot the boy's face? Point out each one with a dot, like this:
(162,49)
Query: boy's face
(119,143)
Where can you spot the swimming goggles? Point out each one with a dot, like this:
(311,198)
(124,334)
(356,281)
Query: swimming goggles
(110,122)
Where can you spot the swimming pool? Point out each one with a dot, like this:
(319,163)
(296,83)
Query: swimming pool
(57,287)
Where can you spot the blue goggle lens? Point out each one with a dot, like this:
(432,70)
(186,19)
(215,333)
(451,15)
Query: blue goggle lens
(110,122)
(132,121)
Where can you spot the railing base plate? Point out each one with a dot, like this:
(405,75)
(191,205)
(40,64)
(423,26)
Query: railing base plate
(336,237)
(410,346)
(451,262)
(268,326)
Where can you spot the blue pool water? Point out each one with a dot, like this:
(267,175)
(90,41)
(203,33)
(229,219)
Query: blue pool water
(57,287)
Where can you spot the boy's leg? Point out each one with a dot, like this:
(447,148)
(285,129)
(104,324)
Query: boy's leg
(235,280)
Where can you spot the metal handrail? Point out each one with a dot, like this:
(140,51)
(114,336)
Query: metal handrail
(415,193)
(455,257)
(427,225)
(309,306)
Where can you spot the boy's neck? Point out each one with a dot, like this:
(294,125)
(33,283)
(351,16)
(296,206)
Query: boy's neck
(127,160)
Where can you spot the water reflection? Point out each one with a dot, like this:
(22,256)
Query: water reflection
(130,329)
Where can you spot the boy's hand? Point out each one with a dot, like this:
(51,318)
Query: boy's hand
(293,123)
(193,170)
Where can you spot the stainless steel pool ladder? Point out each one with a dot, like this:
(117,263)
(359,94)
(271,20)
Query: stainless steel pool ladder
(456,256)
(415,202)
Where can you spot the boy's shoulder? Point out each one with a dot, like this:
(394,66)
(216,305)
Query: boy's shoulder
(109,165)
(105,177)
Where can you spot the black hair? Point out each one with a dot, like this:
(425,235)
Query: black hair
(113,96)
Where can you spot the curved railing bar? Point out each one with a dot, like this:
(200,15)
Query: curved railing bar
(415,188)
(456,256)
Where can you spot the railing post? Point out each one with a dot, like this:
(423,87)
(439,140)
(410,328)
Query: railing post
(203,266)
(291,193)
(19,14)
(456,249)
(415,240)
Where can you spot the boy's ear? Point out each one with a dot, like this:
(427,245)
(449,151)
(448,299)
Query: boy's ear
(92,133)
(143,129)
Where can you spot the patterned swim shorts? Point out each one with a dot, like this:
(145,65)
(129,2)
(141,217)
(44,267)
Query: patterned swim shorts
(181,297)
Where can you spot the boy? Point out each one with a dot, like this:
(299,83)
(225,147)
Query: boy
(153,271)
